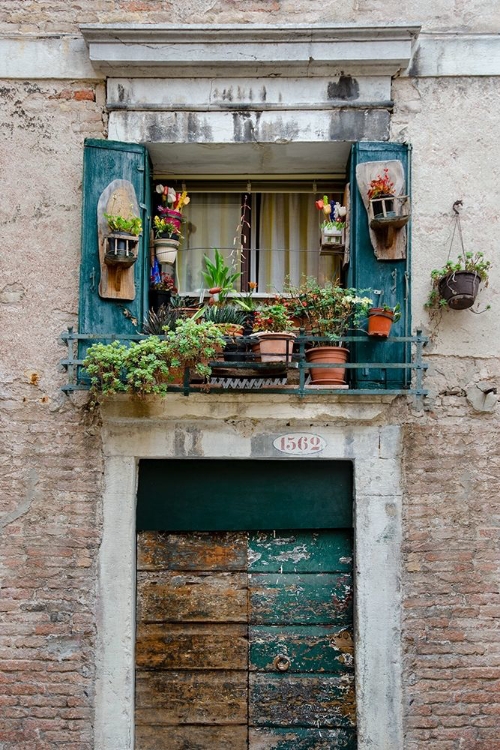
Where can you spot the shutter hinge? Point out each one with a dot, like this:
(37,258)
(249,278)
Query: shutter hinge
(143,206)
(140,169)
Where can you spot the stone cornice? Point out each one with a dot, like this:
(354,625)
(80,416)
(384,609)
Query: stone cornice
(208,50)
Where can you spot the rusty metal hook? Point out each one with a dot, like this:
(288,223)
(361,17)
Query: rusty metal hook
(455,207)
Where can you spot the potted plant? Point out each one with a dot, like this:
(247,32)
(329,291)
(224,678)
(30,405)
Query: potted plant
(173,203)
(218,277)
(231,321)
(380,320)
(122,240)
(193,344)
(273,327)
(332,311)
(161,291)
(166,242)
(381,195)
(333,225)
(456,284)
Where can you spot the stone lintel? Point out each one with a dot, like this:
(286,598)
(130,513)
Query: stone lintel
(206,50)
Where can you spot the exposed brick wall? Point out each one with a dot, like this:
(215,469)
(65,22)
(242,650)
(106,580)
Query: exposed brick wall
(451,579)
(64,16)
(51,465)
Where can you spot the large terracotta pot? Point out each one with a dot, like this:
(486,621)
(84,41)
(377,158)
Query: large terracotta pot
(380,322)
(275,347)
(327,355)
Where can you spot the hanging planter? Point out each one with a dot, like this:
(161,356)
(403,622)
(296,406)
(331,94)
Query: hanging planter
(380,320)
(459,289)
(166,249)
(456,284)
(122,249)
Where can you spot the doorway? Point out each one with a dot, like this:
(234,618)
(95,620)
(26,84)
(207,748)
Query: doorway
(244,605)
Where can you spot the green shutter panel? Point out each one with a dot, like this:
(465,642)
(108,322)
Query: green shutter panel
(105,161)
(392,277)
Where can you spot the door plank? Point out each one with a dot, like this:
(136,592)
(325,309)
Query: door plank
(319,551)
(191,646)
(301,739)
(172,597)
(316,598)
(309,648)
(160,550)
(301,700)
(187,737)
(208,697)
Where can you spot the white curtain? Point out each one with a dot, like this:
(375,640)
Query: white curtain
(211,221)
(289,242)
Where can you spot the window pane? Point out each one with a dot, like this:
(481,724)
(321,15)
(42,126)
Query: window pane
(212,221)
(289,234)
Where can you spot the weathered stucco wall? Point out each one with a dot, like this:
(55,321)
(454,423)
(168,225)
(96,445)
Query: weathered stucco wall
(51,479)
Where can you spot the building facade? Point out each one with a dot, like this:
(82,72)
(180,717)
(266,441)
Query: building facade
(247,93)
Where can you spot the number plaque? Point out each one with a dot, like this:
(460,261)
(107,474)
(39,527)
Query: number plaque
(299,444)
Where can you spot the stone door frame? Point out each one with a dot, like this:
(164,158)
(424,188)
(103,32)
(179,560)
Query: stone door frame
(375,452)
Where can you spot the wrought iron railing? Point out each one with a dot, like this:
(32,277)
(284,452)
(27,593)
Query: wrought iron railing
(242,370)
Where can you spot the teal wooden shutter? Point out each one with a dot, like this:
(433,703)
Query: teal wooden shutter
(105,161)
(392,277)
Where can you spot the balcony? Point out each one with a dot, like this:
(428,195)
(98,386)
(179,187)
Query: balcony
(242,371)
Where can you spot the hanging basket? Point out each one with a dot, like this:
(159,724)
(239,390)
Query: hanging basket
(460,289)
(380,322)
(166,250)
(122,249)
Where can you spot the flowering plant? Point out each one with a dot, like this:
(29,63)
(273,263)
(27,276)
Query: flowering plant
(331,310)
(247,301)
(333,212)
(166,284)
(273,318)
(169,195)
(382,185)
(164,227)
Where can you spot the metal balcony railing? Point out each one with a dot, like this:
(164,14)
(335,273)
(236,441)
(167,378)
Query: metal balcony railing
(242,371)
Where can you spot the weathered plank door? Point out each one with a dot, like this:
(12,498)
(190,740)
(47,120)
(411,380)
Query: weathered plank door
(244,627)
(244,640)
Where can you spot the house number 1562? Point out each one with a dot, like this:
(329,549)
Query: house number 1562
(299,444)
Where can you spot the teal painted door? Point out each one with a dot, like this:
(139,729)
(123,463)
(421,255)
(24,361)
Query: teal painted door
(390,278)
(244,641)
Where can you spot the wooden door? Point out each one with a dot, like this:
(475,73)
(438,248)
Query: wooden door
(244,641)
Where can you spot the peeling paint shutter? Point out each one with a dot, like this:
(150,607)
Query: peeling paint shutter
(391,277)
(105,161)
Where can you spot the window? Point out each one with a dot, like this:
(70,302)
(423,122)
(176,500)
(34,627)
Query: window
(269,230)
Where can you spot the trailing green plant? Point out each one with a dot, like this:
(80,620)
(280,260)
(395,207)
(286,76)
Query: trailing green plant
(218,275)
(146,365)
(193,344)
(133,225)
(273,318)
(468,262)
(140,369)
(104,364)
(331,310)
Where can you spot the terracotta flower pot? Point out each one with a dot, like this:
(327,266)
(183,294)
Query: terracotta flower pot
(274,346)
(460,289)
(380,322)
(327,355)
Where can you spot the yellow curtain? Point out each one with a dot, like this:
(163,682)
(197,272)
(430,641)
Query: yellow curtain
(211,221)
(289,242)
